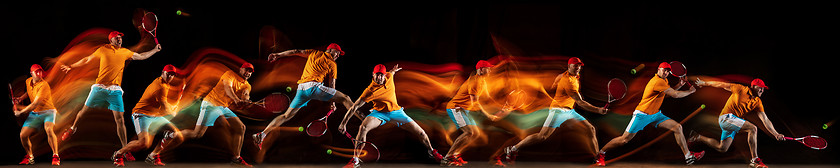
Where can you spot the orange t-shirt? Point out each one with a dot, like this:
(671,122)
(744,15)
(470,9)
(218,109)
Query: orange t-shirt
(40,90)
(741,102)
(217,95)
(111,64)
(384,97)
(152,101)
(319,64)
(566,87)
(473,86)
(653,95)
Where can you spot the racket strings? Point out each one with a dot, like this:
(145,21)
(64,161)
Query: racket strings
(814,142)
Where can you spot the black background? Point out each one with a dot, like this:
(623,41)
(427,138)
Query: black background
(790,46)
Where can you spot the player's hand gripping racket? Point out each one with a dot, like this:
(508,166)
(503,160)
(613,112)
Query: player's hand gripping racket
(678,70)
(616,89)
(811,141)
(318,127)
(150,23)
(368,153)
(275,102)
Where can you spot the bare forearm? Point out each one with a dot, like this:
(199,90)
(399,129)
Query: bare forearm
(767,123)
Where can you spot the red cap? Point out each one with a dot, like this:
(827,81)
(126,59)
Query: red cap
(483,64)
(35,67)
(665,65)
(575,60)
(114,34)
(170,68)
(248,65)
(379,69)
(335,46)
(759,83)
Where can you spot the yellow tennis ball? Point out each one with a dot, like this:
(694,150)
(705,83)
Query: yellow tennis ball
(329,151)
(300,129)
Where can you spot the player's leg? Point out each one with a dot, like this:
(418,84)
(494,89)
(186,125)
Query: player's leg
(237,129)
(25,134)
(675,127)
(368,124)
(120,121)
(752,137)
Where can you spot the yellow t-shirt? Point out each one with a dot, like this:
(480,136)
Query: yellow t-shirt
(217,95)
(151,103)
(40,90)
(566,87)
(111,64)
(384,97)
(473,86)
(319,64)
(740,102)
(653,95)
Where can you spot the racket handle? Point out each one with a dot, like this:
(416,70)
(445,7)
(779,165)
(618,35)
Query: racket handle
(328,113)
(348,135)
(788,138)
(607,105)
(156,41)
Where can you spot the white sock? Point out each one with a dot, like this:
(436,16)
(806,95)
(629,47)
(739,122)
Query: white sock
(688,155)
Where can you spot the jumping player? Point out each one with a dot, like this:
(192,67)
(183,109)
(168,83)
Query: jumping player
(320,66)
(382,93)
(232,89)
(742,101)
(562,109)
(647,112)
(106,92)
(41,113)
(153,109)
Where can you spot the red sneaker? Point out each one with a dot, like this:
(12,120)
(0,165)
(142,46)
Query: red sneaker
(451,161)
(27,160)
(154,160)
(599,160)
(757,163)
(241,162)
(128,156)
(119,162)
(56,161)
(435,155)
(258,139)
(510,154)
(694,157)
(499,162)
(460,160)
(354,163)
(67,133)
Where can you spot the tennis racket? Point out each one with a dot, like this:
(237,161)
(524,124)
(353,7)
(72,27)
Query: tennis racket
(368,153)
(150,23)
(275,102)
(616,89)
(318,127)
(12,97)
(678,70)
(811,141)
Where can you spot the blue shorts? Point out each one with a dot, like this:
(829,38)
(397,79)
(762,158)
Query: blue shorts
(309,91)
(102,96)
(397,116)
(142,123)
(461,117)
(641,119)
(556,117)
(209,112)
(37,119)
(729,125)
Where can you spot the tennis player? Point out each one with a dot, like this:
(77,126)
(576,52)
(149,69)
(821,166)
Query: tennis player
(41,114)
(743,100)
